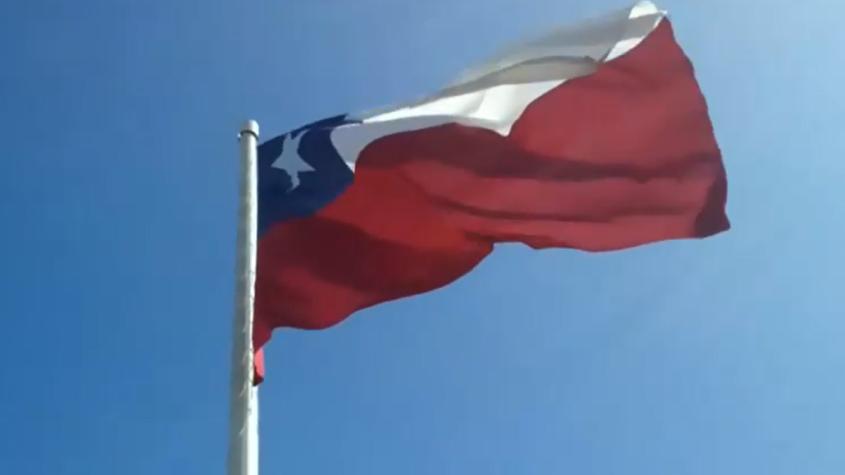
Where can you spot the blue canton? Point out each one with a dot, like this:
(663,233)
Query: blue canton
(297,183)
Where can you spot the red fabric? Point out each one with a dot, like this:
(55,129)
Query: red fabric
(622,157)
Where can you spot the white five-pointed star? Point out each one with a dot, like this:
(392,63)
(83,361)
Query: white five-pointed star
(291,162)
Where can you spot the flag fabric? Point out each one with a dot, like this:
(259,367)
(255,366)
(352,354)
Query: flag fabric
(594,137)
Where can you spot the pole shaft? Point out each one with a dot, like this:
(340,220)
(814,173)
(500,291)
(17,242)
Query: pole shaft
(243,409)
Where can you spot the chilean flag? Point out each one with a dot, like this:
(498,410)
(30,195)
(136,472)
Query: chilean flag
(594,137)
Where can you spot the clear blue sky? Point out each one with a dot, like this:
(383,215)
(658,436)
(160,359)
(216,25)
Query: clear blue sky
(117,198)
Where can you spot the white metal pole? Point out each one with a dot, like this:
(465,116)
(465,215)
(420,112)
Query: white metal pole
(243,409)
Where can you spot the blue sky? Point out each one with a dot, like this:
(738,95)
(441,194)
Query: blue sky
(118,186)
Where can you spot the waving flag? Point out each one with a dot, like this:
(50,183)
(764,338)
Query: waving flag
(595,137)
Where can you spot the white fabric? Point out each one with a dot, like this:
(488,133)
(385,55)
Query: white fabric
(494,95)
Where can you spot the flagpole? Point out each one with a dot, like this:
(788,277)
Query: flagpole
(243,408)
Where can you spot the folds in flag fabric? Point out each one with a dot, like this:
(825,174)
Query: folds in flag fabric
(595,137)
